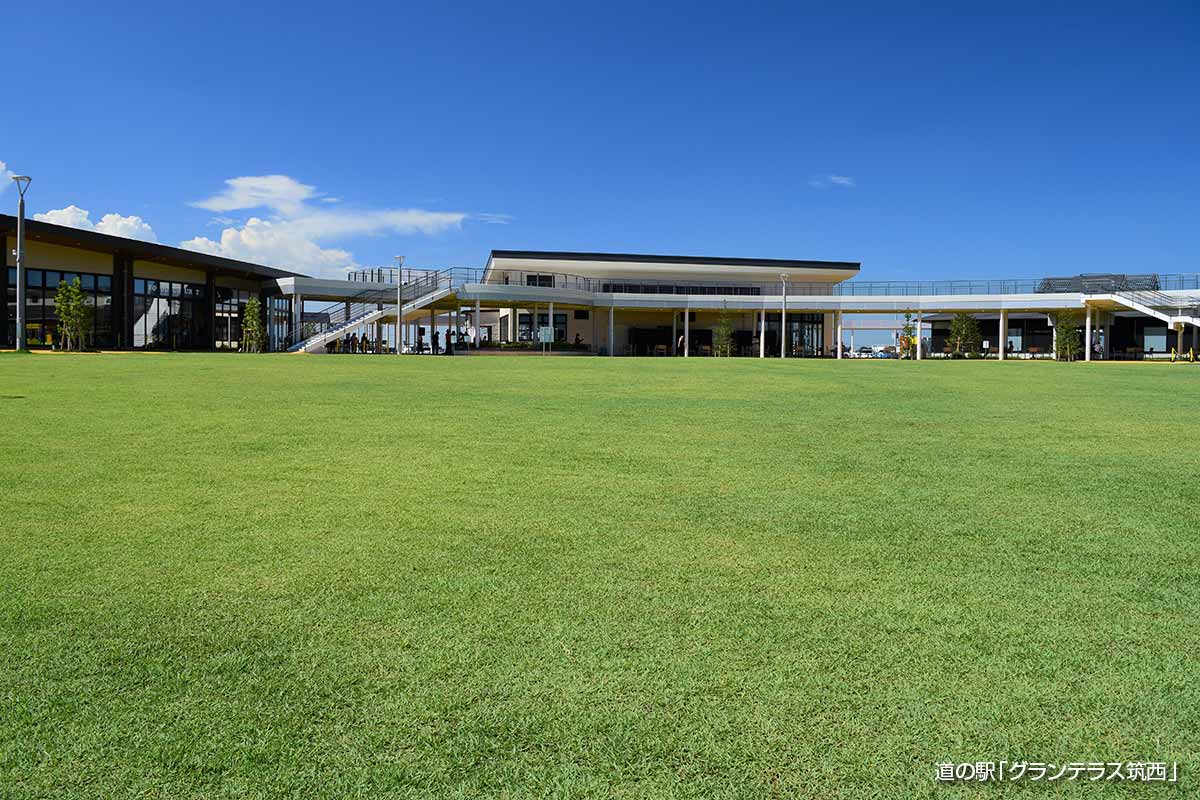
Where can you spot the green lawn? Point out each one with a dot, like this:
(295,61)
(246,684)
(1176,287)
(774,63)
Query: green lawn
(267,576)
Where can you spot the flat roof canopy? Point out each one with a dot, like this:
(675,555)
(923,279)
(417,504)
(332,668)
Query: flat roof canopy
(65,236)
(630,266)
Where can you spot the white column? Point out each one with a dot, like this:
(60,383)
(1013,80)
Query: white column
(611,311)
(1003,333)
(432,328)
(674,333)
(478,333)
(1053,337)
(852,341)
(687,339)
(762,333)
(550,322)
(919,348)
(1087,335)
(839,334)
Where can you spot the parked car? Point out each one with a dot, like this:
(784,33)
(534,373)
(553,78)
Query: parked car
(865,352)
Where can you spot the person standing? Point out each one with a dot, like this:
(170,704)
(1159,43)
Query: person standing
(436,342)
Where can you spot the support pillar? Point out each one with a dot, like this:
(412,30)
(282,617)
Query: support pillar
(478,332)
(1003,334)
(1087,335)
(297,318)
(839,335)
(1179,339)
(611,312)
(550,322)
(919,337)
(687,338)
(1053,336)
(762,333)
(674,333)
(432,327)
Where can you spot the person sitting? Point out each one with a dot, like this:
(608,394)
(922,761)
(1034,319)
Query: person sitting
(578,340)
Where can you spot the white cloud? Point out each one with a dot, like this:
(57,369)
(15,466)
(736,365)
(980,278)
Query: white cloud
(131,227)
(279,193)
(294,235)
(825,181)
(493,219)
(6,176)
(274,243)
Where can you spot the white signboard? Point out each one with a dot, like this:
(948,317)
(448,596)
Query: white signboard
(546,334)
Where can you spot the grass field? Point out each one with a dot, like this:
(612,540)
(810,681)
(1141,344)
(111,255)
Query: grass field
(268,576)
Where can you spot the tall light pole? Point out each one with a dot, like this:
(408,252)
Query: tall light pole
(22,182)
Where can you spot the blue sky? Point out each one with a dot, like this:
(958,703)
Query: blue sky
(1044,139)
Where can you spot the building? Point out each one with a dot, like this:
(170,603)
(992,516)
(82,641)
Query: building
(144,295)
(149,296)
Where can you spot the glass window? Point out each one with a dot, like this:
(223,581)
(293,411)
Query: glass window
(103,283)
(581,313)
(152,287)
(1155,339)
(139,286)
(52,279)
(87,282)
(33,277)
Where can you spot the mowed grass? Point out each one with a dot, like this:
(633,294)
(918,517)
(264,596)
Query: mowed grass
(350,576)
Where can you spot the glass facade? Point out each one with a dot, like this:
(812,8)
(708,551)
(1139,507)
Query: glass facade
(41,317)
(167,315)
(806,335)
(279,320)
(227,323)
(524,334)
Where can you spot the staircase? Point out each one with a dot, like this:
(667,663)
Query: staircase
(1158,305)
(371,306)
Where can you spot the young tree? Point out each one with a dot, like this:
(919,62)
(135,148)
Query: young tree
(964,333)
(723,336)
(908,336)
(253,334)
(74,314)
(1067,345)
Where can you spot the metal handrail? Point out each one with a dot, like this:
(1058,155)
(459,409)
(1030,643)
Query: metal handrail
(634,285)
(385,281)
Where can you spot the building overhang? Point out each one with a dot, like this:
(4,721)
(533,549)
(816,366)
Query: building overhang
(65,236)
(632,266)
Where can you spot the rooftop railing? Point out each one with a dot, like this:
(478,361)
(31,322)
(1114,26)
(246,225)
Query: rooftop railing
(1078,284)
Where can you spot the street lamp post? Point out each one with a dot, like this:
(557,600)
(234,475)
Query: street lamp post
(22,182)
(783,336)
